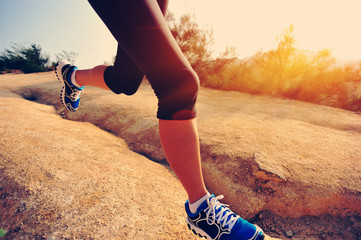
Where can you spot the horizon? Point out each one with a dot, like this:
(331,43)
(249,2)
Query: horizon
(317,25)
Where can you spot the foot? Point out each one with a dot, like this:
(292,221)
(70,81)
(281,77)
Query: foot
(70,94)
(214,220)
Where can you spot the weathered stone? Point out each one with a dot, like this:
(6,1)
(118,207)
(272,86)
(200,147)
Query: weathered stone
(262,153)
(71,180)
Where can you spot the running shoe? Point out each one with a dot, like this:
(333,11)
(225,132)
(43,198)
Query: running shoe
(214,220)
(70,94)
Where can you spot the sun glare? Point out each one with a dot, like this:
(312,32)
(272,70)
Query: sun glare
(251,26)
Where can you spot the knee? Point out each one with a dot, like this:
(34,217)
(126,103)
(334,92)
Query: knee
(187,89)
(191,88)
(178,101)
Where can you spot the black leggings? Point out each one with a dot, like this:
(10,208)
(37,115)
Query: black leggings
(147,47)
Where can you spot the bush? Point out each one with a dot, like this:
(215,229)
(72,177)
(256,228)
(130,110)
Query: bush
(28,59)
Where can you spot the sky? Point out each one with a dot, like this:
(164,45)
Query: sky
(248,25)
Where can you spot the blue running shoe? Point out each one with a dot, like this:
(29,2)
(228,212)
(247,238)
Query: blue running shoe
(70,94)
(214,220)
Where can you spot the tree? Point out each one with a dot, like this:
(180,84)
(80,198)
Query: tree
(194,42)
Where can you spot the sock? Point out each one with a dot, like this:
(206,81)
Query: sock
(73,81)
(194,206)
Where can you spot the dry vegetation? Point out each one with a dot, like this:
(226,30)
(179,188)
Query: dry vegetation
(292,73)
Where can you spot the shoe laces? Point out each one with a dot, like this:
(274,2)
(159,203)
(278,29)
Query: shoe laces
(75,95)
(220,212)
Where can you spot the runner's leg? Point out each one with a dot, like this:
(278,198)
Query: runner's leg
(141,30)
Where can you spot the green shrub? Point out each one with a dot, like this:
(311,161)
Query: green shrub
(28,59)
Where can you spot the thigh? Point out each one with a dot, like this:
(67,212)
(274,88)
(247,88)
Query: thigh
(120,15)
(141,31)
(147,40)
(122,60)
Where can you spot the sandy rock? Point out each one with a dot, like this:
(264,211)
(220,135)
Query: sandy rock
(292,158)
(255,149)
(61,179)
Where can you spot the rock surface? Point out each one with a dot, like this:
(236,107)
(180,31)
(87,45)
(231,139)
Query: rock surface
(61,179)
(264,154)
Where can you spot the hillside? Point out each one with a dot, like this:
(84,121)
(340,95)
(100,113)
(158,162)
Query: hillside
(294,168)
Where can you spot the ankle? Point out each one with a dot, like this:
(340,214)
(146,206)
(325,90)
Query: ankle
(193,206)
(193,197)
(73,79)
